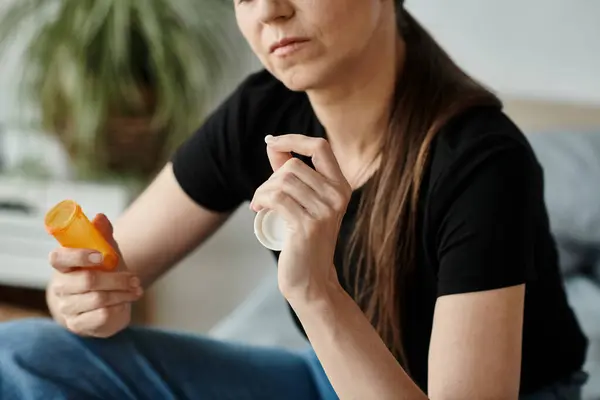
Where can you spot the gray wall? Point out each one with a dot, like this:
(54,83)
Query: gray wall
(542,49)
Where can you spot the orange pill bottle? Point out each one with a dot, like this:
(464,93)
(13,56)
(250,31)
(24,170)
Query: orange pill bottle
(71,228)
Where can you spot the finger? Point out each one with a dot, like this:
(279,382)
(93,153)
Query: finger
(103,224)
(81,303)
(326,192)
(277,158)
(93,323)
(323,187)
(305,173)
(83,281)
(289,209)
(305,195)
(316,148)
(288,183)
(65,259)
(270,185)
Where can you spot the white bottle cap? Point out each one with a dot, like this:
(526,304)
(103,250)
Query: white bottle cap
(270,229)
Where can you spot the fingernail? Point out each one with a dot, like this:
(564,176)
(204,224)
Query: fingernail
(269,139)
(134,282)
(95,258)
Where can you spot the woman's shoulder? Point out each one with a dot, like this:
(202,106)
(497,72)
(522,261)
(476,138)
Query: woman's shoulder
(480,142)
(484,128)
(475,137)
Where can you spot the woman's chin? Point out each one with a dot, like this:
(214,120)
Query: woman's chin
(299,78)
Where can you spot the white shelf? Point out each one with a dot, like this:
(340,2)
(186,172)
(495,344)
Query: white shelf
(27,272)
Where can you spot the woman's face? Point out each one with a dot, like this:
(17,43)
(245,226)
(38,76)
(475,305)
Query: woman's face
(308,43)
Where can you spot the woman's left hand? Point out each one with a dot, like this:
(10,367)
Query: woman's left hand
(312,202)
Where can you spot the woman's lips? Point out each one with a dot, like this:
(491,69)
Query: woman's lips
(288,46)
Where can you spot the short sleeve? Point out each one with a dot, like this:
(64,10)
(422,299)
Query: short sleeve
(208,165)
(486,236)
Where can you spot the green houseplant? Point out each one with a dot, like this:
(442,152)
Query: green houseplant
(121,82)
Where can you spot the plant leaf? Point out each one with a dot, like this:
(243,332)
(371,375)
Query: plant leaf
(93,58)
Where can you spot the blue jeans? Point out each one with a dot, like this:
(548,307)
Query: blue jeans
(40,360)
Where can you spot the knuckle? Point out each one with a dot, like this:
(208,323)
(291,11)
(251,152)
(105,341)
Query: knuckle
(295,162)
(277,196)
(103,316)
(339,202)
(58,286)
(98,299)
(64,307)
(288,178)
(329,213)
(321,144)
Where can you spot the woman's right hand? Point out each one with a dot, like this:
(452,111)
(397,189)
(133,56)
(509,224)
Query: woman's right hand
(91,302)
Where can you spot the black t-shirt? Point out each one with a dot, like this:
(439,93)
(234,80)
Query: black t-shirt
(483,223)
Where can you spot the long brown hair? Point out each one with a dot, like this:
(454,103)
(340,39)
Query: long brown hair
(430,90)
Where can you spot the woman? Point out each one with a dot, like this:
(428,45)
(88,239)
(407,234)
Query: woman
(418,259)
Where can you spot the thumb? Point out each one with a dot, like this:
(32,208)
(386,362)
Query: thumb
(104,226)
(277,158)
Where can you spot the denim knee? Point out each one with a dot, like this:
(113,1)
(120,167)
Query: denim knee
(23,339)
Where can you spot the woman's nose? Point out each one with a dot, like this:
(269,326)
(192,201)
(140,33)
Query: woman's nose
(271,11)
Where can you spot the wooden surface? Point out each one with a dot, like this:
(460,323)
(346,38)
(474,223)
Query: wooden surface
(534,115)
(10,312)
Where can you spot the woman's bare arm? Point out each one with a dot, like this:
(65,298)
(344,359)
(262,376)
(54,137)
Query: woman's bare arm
(162,226)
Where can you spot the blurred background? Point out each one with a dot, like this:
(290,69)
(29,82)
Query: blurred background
(95,94)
